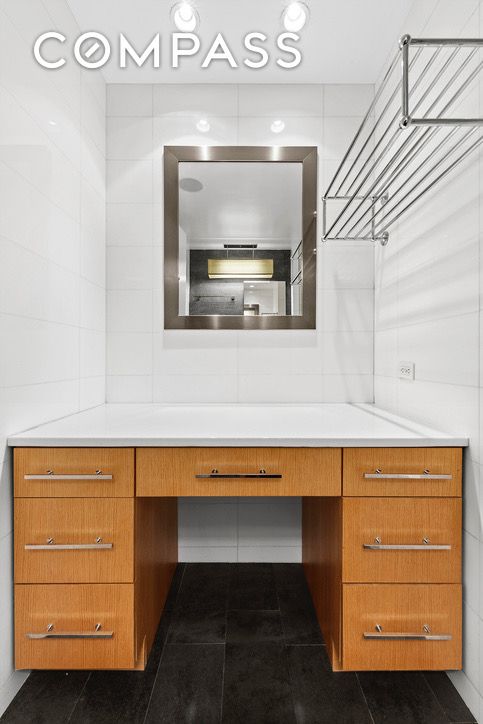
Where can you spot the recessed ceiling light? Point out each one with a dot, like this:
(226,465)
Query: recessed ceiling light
(203,126)
(295,16)
(185,17)
(277,126)
(52,123)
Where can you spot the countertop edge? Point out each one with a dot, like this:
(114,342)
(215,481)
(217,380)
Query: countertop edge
(33,441)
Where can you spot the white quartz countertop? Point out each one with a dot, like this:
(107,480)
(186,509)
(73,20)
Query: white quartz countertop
(158,425)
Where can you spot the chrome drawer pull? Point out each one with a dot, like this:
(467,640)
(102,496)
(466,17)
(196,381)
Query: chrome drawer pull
(51,634)
(425,475)
(50,475)
(425,636)
(426,545)
(262,474)
(51,545)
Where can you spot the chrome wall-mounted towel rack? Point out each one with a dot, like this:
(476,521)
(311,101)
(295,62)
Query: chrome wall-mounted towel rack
(414,134)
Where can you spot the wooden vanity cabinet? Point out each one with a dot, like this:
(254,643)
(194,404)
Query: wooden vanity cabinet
(96,547)
(383,562)
(93,563)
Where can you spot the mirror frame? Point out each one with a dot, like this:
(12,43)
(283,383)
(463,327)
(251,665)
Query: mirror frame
(173,156)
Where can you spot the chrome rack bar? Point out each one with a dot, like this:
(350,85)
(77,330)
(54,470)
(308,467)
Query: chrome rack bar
(422,179)
(406,120)
(371,134)
(378,94)
(407,141)
(433,183)
(363,188)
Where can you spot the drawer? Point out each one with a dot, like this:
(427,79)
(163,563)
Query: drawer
(238,471)
(55,626)
(408,472)
(92,540)
(384,540)
(64,472)
(401,626)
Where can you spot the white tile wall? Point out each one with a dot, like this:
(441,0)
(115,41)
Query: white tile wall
(428,310)
(52,254)
(144,363)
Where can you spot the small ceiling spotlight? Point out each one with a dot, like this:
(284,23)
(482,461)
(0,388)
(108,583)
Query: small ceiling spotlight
(185,16)
(203,126)
(277,126)
(295,16)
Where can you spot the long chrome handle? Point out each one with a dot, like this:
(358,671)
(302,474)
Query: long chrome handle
(50,633)
(402,636)
(262,474)
(68,546)
(411,547)
(50,475)
(426,475)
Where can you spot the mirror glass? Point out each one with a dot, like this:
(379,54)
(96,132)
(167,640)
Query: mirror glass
(240,239)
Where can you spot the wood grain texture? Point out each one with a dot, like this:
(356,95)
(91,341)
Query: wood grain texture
(74,607)
(401,521)
(172,471)
(438,460)
(322,560)
(37,461)
(77,521)
(156,558)
(401,608)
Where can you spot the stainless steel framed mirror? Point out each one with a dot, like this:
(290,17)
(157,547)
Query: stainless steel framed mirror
(240,237)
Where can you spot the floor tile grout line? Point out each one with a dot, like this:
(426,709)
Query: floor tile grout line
(224,658)
(291,683)
(78,698)
(435,697)
(365,698)
(165,642)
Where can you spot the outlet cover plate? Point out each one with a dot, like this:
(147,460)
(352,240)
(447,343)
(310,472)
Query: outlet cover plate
(406,370)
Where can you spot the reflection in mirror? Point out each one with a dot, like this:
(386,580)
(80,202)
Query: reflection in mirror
(240,239)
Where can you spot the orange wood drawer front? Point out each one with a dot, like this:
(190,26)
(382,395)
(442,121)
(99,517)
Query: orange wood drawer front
(401,608)
(116,462)
(80,521)
(359,462)
(401,521)
(173,471)
(74,608)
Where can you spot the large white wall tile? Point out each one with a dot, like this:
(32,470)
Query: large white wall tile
(129,138)
(129,388)
(195,388)
(129,267)
(280,101)
(195,100)
(130,100)
(347,100)
(52,254)
(130,181)
(129,353)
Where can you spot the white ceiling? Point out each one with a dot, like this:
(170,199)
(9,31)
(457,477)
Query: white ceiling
(345,41)
(242,202)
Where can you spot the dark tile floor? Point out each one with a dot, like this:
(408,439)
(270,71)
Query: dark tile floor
(237,643)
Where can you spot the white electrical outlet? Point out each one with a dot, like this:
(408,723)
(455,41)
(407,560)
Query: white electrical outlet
(406,370)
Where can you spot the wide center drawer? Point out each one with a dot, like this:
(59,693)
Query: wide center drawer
(83,540)
(74,626)
(74,472)
(422,472)
(401,540)
(399,627)
(238,471)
